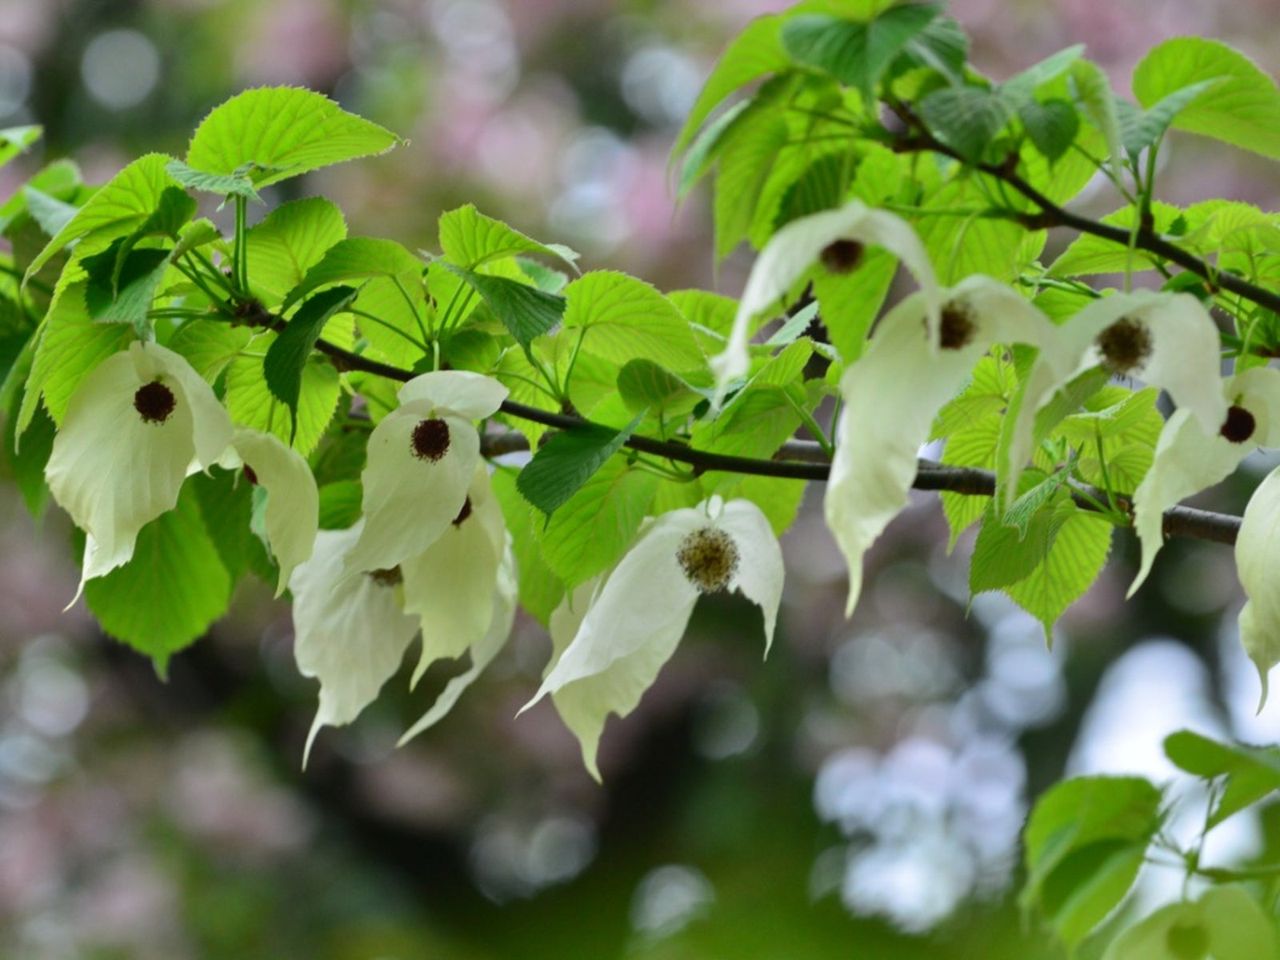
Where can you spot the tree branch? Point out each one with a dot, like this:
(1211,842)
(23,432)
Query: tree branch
(1052,215)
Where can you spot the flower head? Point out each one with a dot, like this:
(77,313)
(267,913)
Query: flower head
(1189,459)
(137,425)
(894,391)
(422,457)
(836,239)
(610,649)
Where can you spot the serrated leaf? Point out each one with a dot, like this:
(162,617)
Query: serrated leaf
(1052,126)
(356,258)
(590,533)
(1005,553)
(626,319)
(1140,129)
(1244,109)
(567,461)
(704,150)
(122,292)
(471,240)
(49,212)
(118,208)
(967,119)
(756,51)
(222,184)
(175,586)
(1021,87)
(1085,842)
(1093,92)
(226,504)
(854,53)
(16,140)
(274,133)
(251,404)
(288,242)
(289,352)
(209,345)
(644,385)
(1088,255)
(1073,563)
(525,311)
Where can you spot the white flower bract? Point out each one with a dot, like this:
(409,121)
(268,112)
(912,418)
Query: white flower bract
(894,391)
(635,620)
(293,502)
(421,459)
(1188,460)
(1257,560)
(137,425)
(791,252)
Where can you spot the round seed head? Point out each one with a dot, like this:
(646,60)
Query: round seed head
(843,256)
(709,558)
(430,439)
(1239,425)
(1125,345)
(957,326)
(154,402)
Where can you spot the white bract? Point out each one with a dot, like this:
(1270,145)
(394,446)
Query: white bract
(503,612)
(293,502)
(421,459)
(1188,459)
(893,392)
(136,426)
(636,618)
(793,250)
(1257,560)
(1167,340)
(450,586)
(350,631)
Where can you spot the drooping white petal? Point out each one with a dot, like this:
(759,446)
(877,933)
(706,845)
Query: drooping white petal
(210,421)
(891,396)
(349,630)
(760,569)
(1188,460)
(1257,560)
(450,586)
(410,500)
(483,651)
(791,252)
(293,502)
(646,597)
(112,470)
(461,392)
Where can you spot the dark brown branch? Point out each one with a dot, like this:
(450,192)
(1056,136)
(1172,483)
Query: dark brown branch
(1052,215)
(795,460)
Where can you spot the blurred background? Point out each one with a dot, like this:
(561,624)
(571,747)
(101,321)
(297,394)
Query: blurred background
(860,794)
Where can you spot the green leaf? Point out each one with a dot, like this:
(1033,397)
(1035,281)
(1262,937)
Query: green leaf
(752,54)
(850,302)
(525,311)
(226,504)
(1251,773)
(626,319)
(123,292)
(1085,842)
(1226,924)
(1006,553)
(568,460)
(704,150)
(748,158)
(856,54)
(1244,109)
(589,534)
(340,504)
(170,592)
(49,212)
(209,345)
(967,119)
(356,258)
(470,240)
(274,133)
(644,385)
(1021,88)
(252,404)
(1075,560)
(1052,126)
(223,184)
(1140,129)
(288,354)
(16,140)
(118,208)
(1088,255)
(288,242)
(27,461)
(540,589)
(1093,91)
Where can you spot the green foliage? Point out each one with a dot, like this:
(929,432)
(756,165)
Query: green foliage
(1248,774)
(270,134)
(289,353)
(567,461)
